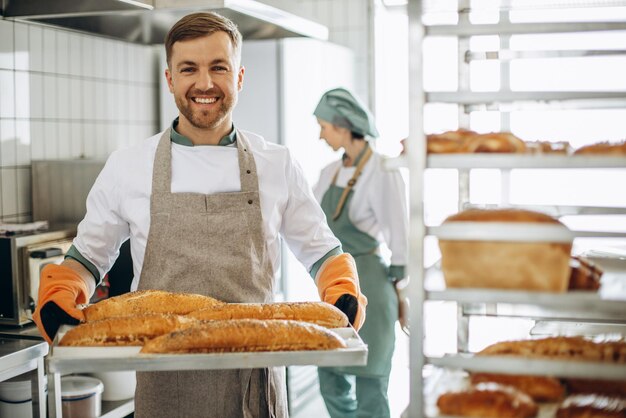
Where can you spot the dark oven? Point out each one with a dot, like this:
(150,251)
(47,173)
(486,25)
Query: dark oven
(22,256)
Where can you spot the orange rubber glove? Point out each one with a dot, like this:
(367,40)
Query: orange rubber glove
(338,284)
(60,289)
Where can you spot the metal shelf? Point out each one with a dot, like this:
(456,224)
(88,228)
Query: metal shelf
(464,29)
(507,54)
(612,98)
(500,231)
(512,161)
(117,409)
(527,366)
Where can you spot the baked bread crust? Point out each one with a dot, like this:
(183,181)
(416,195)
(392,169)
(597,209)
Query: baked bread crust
(537,266)
(246,335)
(539,388)
(564,348)
(124,331)
(502,215)
(320,313)
(585,275)
(603,148)
(592,406)
(494,142)
(447,142)
(600,387)
(148,301)
(488,400)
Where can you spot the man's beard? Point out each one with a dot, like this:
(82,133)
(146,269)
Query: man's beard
(204,119)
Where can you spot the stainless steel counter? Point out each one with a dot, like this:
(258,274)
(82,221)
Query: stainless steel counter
(18,356)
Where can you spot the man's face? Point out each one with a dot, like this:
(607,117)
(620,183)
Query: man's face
(205,78)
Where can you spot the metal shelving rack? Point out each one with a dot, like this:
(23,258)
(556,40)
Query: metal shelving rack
(583,306)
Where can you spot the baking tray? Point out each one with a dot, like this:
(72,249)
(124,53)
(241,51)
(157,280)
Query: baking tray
(531,366)
(95,359)
(442,381)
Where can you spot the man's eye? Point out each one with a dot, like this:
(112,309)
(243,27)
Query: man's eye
(186,70)
(220,68)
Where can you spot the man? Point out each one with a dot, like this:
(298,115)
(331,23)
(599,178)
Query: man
(204,205)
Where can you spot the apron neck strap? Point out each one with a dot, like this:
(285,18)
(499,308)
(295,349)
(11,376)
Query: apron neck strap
(351,182)
(162,171)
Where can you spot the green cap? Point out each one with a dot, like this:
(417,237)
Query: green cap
(340,107)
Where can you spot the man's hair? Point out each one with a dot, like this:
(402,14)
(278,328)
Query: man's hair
(197,25)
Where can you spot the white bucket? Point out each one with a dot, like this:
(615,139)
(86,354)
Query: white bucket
(81,397)
(16,399)
(117,385)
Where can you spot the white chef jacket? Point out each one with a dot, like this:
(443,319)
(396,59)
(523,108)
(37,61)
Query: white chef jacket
(118,205)
(379,203)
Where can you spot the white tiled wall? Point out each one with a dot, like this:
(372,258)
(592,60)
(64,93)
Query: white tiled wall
(348,22)
(67,95)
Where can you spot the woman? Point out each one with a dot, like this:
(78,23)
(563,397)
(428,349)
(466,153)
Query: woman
(365,206)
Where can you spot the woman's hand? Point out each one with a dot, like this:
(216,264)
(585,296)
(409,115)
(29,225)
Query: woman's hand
(403,304)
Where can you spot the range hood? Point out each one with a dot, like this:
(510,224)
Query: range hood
(147,21)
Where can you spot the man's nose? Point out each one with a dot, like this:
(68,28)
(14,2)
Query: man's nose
(204,81)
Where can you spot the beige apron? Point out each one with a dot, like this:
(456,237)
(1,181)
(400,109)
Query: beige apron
(212,245)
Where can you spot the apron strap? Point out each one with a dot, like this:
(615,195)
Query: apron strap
(351,182)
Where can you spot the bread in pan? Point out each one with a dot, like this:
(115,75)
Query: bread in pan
(537,266)
(320,313)
(148,301)
(246,335)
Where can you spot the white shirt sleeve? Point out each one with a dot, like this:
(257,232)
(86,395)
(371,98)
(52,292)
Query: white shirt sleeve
(304,226)
(103,230)
(389,204)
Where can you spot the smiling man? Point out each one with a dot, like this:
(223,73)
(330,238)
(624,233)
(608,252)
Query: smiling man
(205,206)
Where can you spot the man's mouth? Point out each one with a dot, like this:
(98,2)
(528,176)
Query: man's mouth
(204,100)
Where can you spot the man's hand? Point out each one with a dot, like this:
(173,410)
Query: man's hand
(338,284)
(61,288)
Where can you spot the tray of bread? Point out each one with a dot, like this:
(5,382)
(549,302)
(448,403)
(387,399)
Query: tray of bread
(456,393)
(156,330)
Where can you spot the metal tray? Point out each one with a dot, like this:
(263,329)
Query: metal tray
(97,359)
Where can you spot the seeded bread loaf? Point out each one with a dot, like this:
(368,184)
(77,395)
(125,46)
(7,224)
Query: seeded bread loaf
(125,331)
(148,301)
(246,335)
(320,313)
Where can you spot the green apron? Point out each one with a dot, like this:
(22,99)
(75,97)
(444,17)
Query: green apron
(378,331)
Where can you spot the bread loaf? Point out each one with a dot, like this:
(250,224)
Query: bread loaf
(599,387)
(124,331)
(585,275)
(603,148)
(539,388)
(592,406)
(488,400)
(494,142)
(246,335)
(319,313)
(148,301)
(538,266)
(563,348)
(447,142)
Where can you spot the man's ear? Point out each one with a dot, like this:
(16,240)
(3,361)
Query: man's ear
(168,77)
(242,70)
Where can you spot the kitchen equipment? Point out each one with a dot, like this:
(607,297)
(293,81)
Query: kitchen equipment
(22,256)
(81,396)
(117,385)
(16,399)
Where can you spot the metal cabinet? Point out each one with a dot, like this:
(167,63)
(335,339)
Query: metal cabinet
(20,356)
(602,310)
